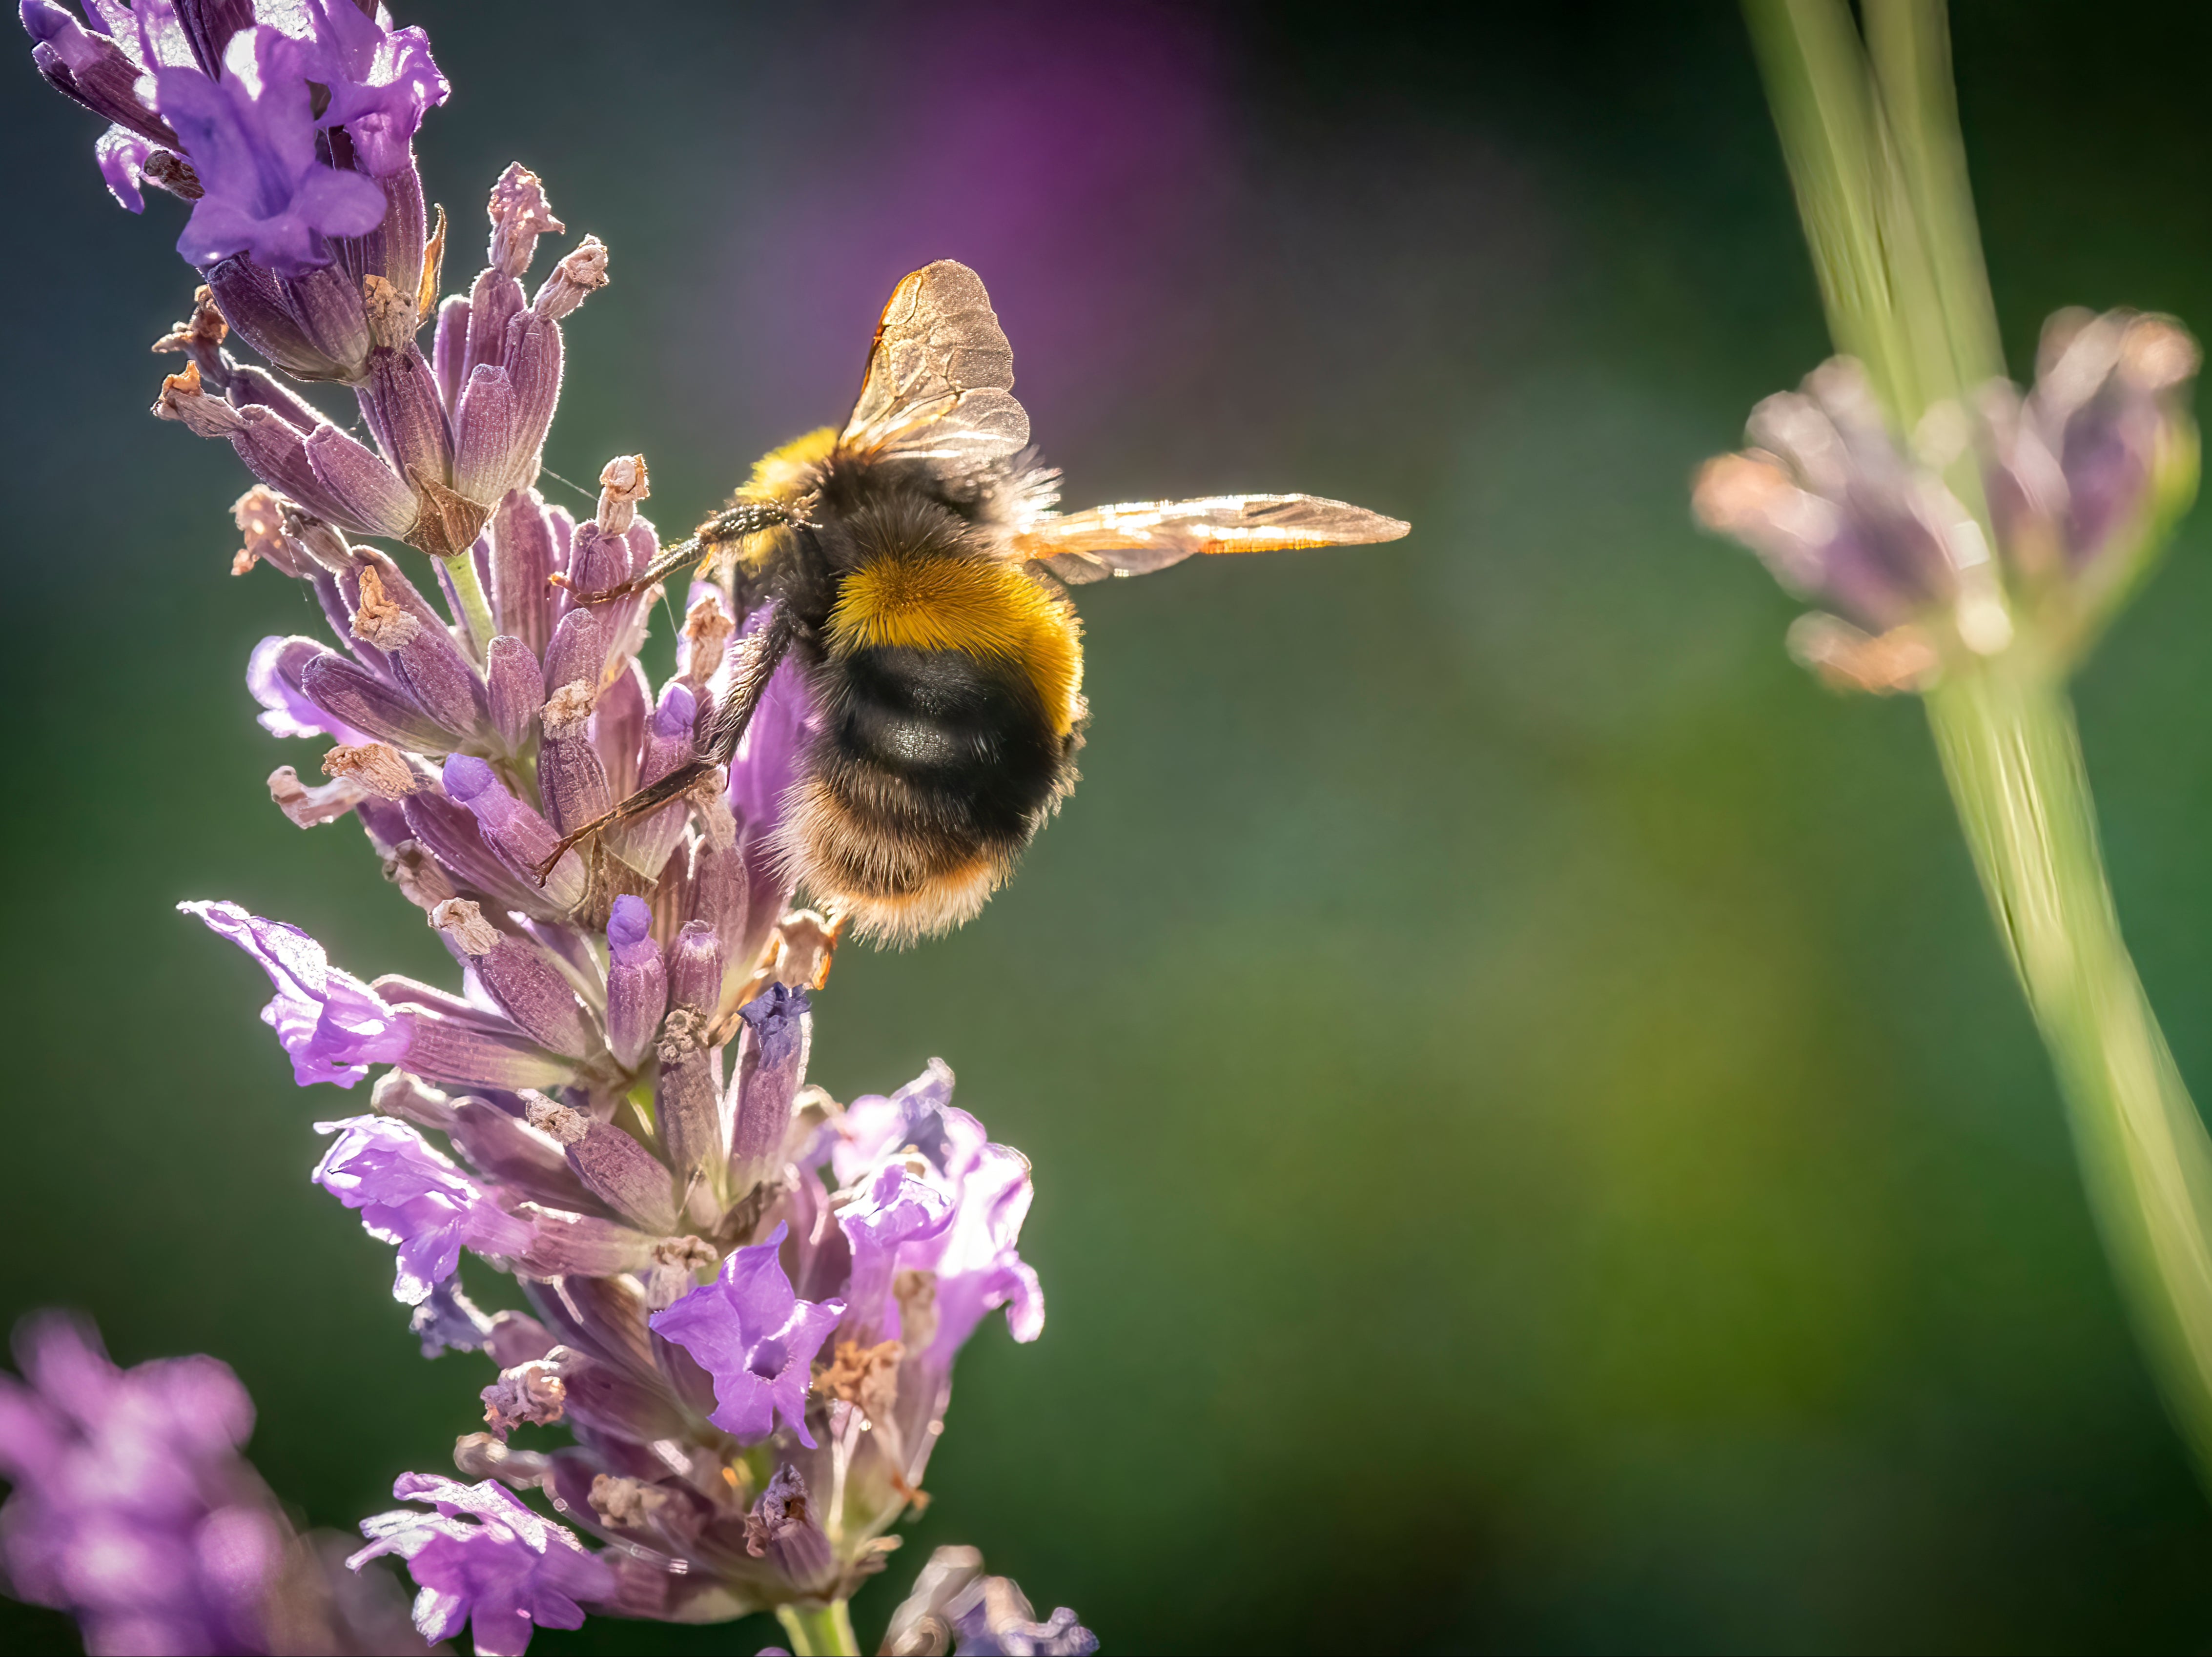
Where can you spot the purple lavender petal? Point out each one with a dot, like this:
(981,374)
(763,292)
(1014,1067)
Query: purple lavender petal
(333,1025)
(251,138)
(121,156)
(410,1196)
(896,1209)
(485,1560)
(757,1339)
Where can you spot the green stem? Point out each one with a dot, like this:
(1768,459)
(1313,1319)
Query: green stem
(819,1631)
(2011,753)
(476,608)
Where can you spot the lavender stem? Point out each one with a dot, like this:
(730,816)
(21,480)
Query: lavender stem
(820,1631)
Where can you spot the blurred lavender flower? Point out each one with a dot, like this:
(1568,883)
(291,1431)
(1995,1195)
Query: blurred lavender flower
(955,1607)
(755,1360)
(133,1511)
(2079,476)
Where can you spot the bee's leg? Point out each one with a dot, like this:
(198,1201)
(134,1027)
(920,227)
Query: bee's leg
(764,650)
(746,518)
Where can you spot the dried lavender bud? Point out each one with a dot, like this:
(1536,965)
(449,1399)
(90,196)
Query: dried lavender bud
(528,543)
(520,216)
(376,767)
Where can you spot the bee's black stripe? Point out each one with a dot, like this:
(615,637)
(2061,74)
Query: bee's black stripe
(941,744)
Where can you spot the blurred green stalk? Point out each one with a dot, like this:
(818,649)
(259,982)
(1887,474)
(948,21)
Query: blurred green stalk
(819,1631)
(1869,125)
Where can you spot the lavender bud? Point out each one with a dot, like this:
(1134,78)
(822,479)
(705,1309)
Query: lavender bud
(368,493)
(688,1111)
(646,846)
(522,977)
(493,303)
(618,726)
(393,617)
(513,1151)
(400,398)
(619,1171)
(531,352)
(583,1245)
(570,774)
(332,315)
(486,461)
(358,698)
(695,969)
(637,981)
(771,1058)
(517,691)
(529,542)
(253,305)
(88,67)
(450,833)
(576,655)
(449,345)
(443,1049)
(517,833)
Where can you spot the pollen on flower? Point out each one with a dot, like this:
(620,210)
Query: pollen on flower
(379,620)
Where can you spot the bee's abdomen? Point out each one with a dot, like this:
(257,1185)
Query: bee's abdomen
(933,770)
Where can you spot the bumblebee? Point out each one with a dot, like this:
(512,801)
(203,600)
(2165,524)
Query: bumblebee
(913,564)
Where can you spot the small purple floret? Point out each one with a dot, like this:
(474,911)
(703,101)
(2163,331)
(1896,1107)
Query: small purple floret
(484,1559)
(756,1338)
(334,1026)
(409,1195)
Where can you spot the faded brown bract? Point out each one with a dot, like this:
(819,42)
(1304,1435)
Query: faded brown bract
(568,709)
(531,1393)
(420,877)
(309,806)
(463,922)
(377,767)
(479,1455)
(566,1126)
(259,516)
(707,630)
(623,484)
(446,525)
(380,620)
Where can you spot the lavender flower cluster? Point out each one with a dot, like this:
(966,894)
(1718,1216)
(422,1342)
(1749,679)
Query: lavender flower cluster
(2079,477)
(744,1300)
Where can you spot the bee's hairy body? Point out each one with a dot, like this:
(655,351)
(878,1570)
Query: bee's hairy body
(910,565)
(948,680)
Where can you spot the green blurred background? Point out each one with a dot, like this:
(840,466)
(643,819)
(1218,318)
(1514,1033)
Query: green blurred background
(1536,1146)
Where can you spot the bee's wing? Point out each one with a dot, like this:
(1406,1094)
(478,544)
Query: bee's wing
(1140,536)
(940,375)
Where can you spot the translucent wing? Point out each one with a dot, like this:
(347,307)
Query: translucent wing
(1140,536)
(940,374)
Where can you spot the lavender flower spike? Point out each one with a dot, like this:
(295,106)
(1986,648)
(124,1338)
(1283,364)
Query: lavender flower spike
(756,1338)
(333,1024)
(485,1560)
